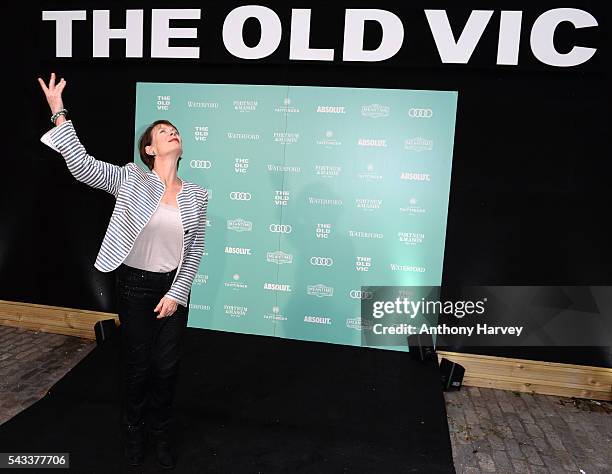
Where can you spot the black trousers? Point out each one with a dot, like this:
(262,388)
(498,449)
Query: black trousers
(151,347)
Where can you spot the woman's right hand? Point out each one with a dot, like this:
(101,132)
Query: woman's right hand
(53,92)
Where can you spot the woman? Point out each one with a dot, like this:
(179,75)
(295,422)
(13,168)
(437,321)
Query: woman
(154,241)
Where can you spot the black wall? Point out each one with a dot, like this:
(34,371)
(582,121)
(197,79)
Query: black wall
(529,200)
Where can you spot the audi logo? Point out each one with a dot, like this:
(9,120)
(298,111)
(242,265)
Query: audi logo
(240,196)
(281,228)
(420,113)
(361,295)
(322,261)
(204,164)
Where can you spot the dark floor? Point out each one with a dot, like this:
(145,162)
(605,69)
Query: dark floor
(491,430)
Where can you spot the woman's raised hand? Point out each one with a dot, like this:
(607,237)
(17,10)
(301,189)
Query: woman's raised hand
(53,92)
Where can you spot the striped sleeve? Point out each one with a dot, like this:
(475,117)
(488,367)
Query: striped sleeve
(84,167)
(179,291)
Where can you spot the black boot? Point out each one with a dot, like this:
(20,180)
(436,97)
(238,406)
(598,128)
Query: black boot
(134,444)
(163,450)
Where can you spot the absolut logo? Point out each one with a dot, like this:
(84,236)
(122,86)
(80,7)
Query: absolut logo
(330,109)
(411,176)
(317,319)
(239,225)
(238,250)
(277,287)
(372,142)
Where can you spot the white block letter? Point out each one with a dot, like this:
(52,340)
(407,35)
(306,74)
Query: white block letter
(132,33)
(543,31)
(299,45)
(509,37)
(461,50)
(161,33)
(392,37)
(271,32)
(63,29)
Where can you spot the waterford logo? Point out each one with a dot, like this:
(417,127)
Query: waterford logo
(365,235)
(325,202)
(192,104)
(418,144)
(239,225)
(406,268)
(284,168)
(375,110)
(319,290)
(279,257)
(243,136)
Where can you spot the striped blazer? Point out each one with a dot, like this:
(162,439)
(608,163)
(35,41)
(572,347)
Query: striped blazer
(138,194)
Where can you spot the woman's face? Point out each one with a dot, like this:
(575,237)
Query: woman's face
(164,139)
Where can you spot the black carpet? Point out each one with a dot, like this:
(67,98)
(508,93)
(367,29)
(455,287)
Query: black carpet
(249,404)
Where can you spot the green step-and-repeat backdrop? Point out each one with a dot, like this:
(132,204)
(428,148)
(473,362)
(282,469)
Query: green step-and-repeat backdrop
(315,192)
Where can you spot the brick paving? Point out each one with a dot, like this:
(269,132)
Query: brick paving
(491,430)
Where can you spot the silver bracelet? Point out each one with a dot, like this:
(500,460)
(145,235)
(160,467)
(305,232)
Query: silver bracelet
(56,115)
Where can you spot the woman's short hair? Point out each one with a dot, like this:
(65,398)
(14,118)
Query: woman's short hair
(146,139)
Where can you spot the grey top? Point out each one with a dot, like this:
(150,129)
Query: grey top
(158,247)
